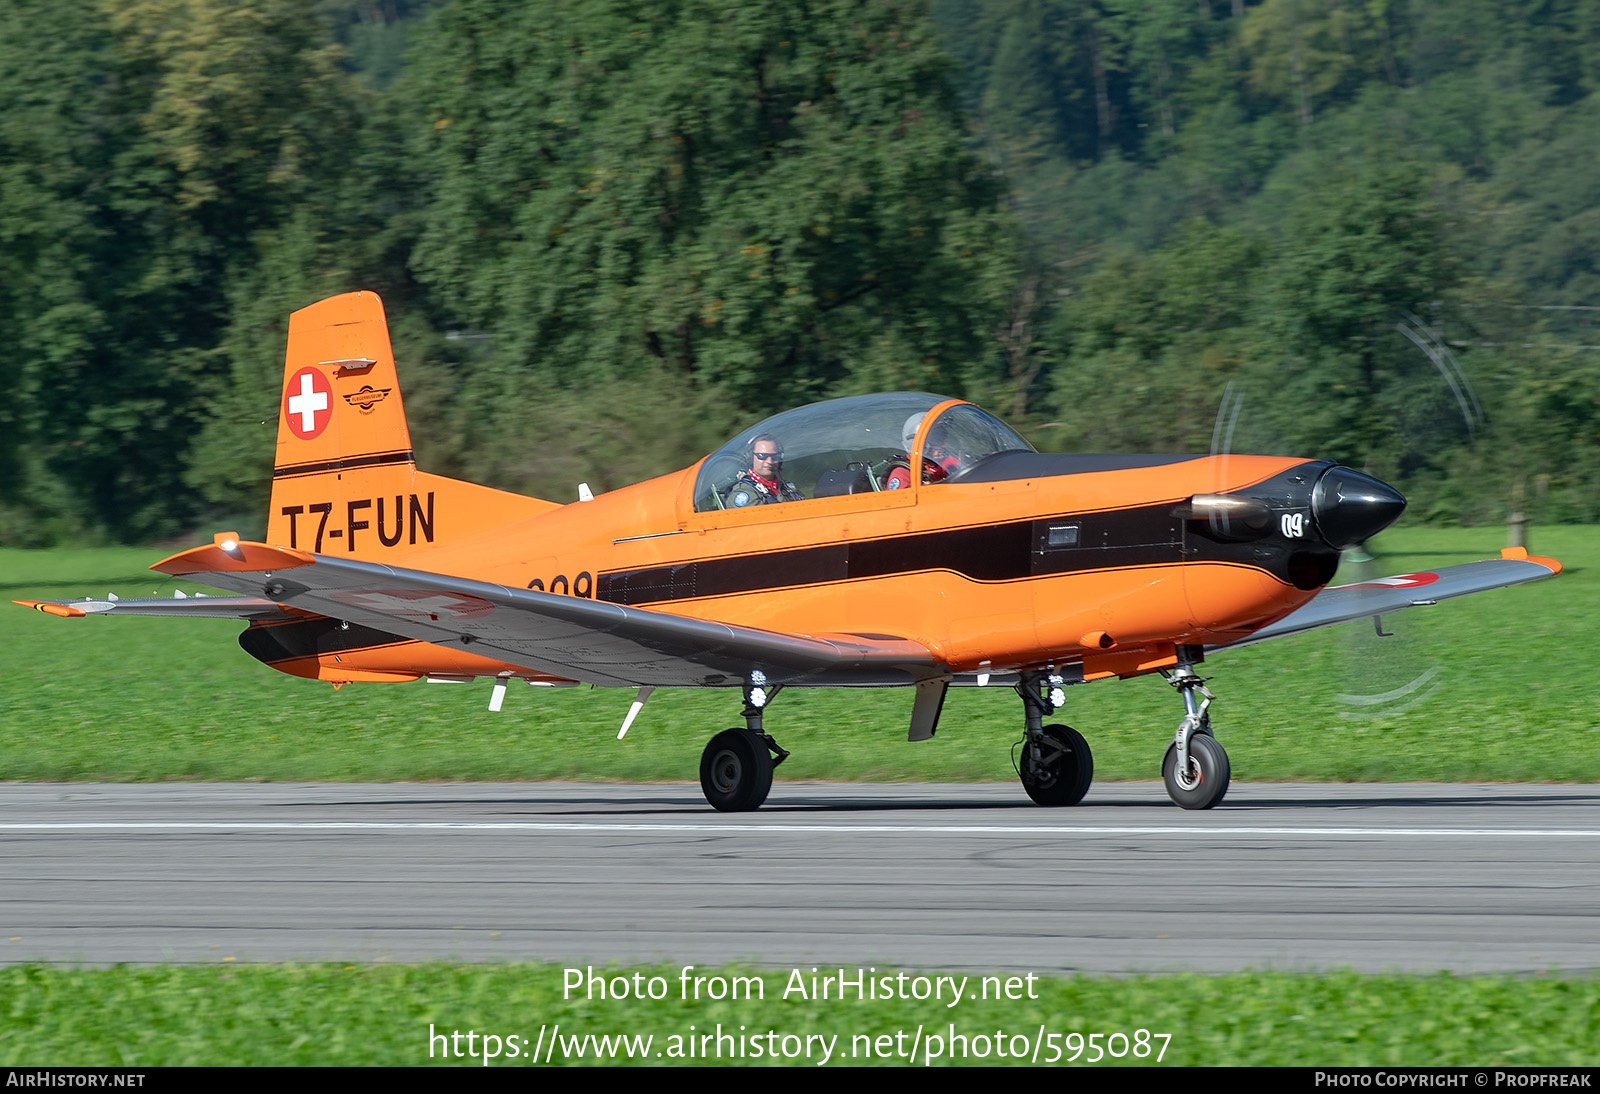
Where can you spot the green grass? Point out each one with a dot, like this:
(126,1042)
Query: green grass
(344,1015)
(154,699)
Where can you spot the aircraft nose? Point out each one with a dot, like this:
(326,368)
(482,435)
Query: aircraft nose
(1348,506)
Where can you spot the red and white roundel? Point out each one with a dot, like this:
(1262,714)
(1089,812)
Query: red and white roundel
(307,403)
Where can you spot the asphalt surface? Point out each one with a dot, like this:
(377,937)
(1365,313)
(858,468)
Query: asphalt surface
(1487,878)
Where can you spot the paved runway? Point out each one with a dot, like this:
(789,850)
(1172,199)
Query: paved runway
(1374,877)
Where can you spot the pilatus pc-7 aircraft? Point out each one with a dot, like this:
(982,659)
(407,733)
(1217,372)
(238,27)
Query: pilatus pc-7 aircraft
(896,540)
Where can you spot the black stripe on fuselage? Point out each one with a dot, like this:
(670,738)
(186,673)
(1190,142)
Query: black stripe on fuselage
(344,463)
(1146,536)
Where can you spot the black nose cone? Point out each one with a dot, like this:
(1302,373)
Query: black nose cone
(1349,506)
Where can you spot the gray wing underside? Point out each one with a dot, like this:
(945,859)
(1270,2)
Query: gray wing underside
(575,637)
(1365,599)
(193,606)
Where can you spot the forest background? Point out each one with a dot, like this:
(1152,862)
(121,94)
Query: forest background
(608,233)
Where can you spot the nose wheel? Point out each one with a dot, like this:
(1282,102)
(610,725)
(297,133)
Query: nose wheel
(1204,783)
(1195,768)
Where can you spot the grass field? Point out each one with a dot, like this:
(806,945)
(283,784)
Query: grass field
(155,699)
(345,1015)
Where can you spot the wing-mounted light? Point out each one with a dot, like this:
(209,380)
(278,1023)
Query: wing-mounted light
(1231,517)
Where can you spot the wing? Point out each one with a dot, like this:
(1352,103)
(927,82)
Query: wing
(567,636)
(1343,603)
(195,606)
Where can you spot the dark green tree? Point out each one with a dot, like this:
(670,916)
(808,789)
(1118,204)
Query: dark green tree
(1359,251)
(754,203)
(1150,343)
(168,143)
(54,149)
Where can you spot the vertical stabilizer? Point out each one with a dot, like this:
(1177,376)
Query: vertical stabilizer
(341,399)
(345,481)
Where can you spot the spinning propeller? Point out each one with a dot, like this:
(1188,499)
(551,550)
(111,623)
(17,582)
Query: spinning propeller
(1386,668)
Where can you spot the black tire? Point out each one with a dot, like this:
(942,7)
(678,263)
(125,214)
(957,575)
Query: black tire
(736,771)
(1067,769)
(1209,771)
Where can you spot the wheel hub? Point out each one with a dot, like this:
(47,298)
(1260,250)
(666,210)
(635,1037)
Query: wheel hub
(1188,780)
(726,771)
(1045,770)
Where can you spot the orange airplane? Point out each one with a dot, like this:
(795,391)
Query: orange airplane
(900,539)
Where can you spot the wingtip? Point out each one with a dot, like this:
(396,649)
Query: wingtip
(1521,555)
(244,557)
(65,611)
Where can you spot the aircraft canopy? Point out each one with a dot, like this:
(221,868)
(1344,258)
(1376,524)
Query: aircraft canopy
(853,445)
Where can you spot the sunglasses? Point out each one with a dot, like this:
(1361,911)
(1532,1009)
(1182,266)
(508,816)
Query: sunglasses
(768,455)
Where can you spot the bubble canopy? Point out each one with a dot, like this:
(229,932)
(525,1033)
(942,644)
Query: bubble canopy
(854,445)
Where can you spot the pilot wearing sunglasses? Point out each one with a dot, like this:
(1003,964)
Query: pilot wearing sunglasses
(760,484)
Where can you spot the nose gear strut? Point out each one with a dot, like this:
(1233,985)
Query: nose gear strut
(1196,768)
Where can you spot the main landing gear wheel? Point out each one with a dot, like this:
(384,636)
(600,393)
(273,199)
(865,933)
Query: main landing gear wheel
(1055,766)
(736,771)
(1064,770)
(1205,784)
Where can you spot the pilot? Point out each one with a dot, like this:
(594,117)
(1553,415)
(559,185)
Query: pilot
(937,464)
(760,484)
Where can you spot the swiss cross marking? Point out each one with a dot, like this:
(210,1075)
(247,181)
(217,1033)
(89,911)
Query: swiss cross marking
(1404,581)
(308,403)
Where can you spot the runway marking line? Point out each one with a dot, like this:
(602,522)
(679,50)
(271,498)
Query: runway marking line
(856,829)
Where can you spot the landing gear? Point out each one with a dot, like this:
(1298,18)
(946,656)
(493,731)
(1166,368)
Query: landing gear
(736,771)
(1205,783)
(1063,770)
(1195,768)
(1056,765)
(736,767)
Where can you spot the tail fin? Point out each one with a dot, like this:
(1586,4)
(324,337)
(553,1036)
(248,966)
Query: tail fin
(345,481)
